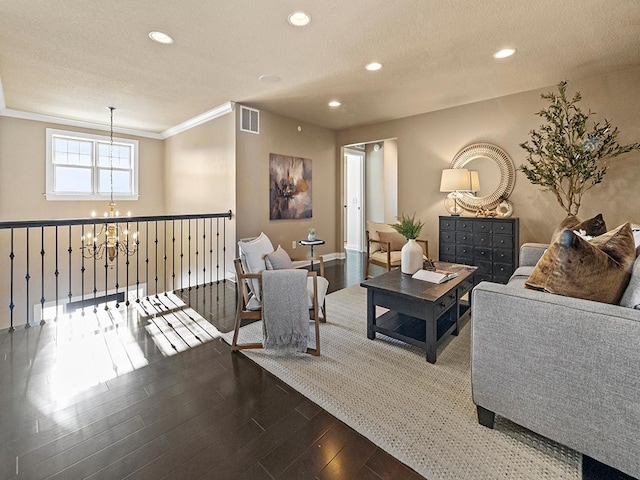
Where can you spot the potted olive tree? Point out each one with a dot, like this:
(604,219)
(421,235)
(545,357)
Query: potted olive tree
(566,156)
(411,253)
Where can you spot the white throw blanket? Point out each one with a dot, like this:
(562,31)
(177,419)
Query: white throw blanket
(285,309)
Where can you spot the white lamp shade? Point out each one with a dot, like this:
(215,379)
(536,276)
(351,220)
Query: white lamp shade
(475,180)
(455,180)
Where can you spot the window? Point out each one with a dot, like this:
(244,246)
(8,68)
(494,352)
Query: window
(87,167)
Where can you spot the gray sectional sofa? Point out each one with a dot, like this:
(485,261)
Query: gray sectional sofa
(565,368)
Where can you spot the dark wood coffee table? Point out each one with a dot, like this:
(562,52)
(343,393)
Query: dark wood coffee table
(420,313)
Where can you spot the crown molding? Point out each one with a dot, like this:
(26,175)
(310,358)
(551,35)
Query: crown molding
(8,112)
(216,112)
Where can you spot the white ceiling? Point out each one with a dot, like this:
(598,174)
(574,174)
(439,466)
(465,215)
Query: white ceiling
(73,58)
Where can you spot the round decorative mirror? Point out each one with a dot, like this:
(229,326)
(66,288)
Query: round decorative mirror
(496,174)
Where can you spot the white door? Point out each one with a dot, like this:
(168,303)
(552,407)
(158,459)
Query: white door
(354,167)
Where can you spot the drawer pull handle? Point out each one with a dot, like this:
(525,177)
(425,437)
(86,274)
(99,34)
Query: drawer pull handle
(442,304)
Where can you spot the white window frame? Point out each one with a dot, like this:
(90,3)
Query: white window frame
(52,195)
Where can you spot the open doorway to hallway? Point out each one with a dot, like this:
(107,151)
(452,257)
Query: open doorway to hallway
(370,189)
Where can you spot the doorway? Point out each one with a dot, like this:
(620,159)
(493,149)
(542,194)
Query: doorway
(370,189)
(354,200)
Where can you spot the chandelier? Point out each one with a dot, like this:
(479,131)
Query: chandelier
(110,239)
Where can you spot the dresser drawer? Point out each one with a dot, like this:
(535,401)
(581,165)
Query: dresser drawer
(502,271)
(482,254)
(482,239)
(481,227)
(448,236)
(504,241)
(464,225)
(447,224)
(484,268)
(447,249)
(464,238)
(502,227)
(464,251)
(502,255)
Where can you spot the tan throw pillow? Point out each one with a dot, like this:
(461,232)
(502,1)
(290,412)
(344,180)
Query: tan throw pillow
(592,227)
(597,270)
(396,239)
(278,260)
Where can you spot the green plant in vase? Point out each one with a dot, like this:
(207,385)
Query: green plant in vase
(408,227)
(411,254)
(565,155)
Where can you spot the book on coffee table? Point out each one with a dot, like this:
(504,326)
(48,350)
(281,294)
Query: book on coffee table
(435,276)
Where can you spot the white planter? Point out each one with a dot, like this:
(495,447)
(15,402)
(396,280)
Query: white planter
(311,237)
(411,257)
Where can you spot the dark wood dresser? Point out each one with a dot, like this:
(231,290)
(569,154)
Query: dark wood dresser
(491,244)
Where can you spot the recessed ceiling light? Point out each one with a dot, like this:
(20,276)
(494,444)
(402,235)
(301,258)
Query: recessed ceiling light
(269,78)
(299,19)
(161,37)
(334,103)
(504,53)
(373,66)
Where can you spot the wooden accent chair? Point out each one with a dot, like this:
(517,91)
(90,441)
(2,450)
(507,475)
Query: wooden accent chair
(250,308)
(383,246)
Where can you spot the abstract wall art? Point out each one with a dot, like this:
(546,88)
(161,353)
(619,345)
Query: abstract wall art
(289,187)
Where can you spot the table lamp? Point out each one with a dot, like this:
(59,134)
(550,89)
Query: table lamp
(454,181)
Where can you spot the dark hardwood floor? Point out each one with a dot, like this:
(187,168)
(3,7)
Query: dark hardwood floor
(96,397)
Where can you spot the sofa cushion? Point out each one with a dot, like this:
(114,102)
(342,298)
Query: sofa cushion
(278,260)
(631,296)
(522,272)
(252,254)
(591,227)
(373,228)
(597,270)
(395,239)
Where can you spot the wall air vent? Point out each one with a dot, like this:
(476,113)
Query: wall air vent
(249,120)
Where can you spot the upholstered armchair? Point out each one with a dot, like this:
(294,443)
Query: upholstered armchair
(384,244)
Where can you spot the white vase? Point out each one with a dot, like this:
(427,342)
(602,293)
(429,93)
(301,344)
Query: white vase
(311,237)
(411,257)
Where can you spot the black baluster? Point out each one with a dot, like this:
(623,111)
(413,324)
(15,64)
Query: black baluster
(189,256)
(127,262)
(204,252)
(27,278)
(94,249)
(57,274)
(218,250)
(181,254)
(117,252)
(70,250)
(11,304)
(211,251)
(138,263)
(106,266)
(42,322)
(146,247)
(224,248)
(173,255)
(156,242)
(197,252)
(82,270)
(164,237)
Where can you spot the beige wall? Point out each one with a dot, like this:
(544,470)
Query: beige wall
(200,173)
(200,168)
(22,175)
(280,135)
(428,142)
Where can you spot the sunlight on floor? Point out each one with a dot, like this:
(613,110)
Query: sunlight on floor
(91,347)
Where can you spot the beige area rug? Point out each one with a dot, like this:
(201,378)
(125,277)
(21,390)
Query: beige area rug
(421,414)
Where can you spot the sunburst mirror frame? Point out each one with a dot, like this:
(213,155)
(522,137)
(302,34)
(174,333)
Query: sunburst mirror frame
(507,168)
